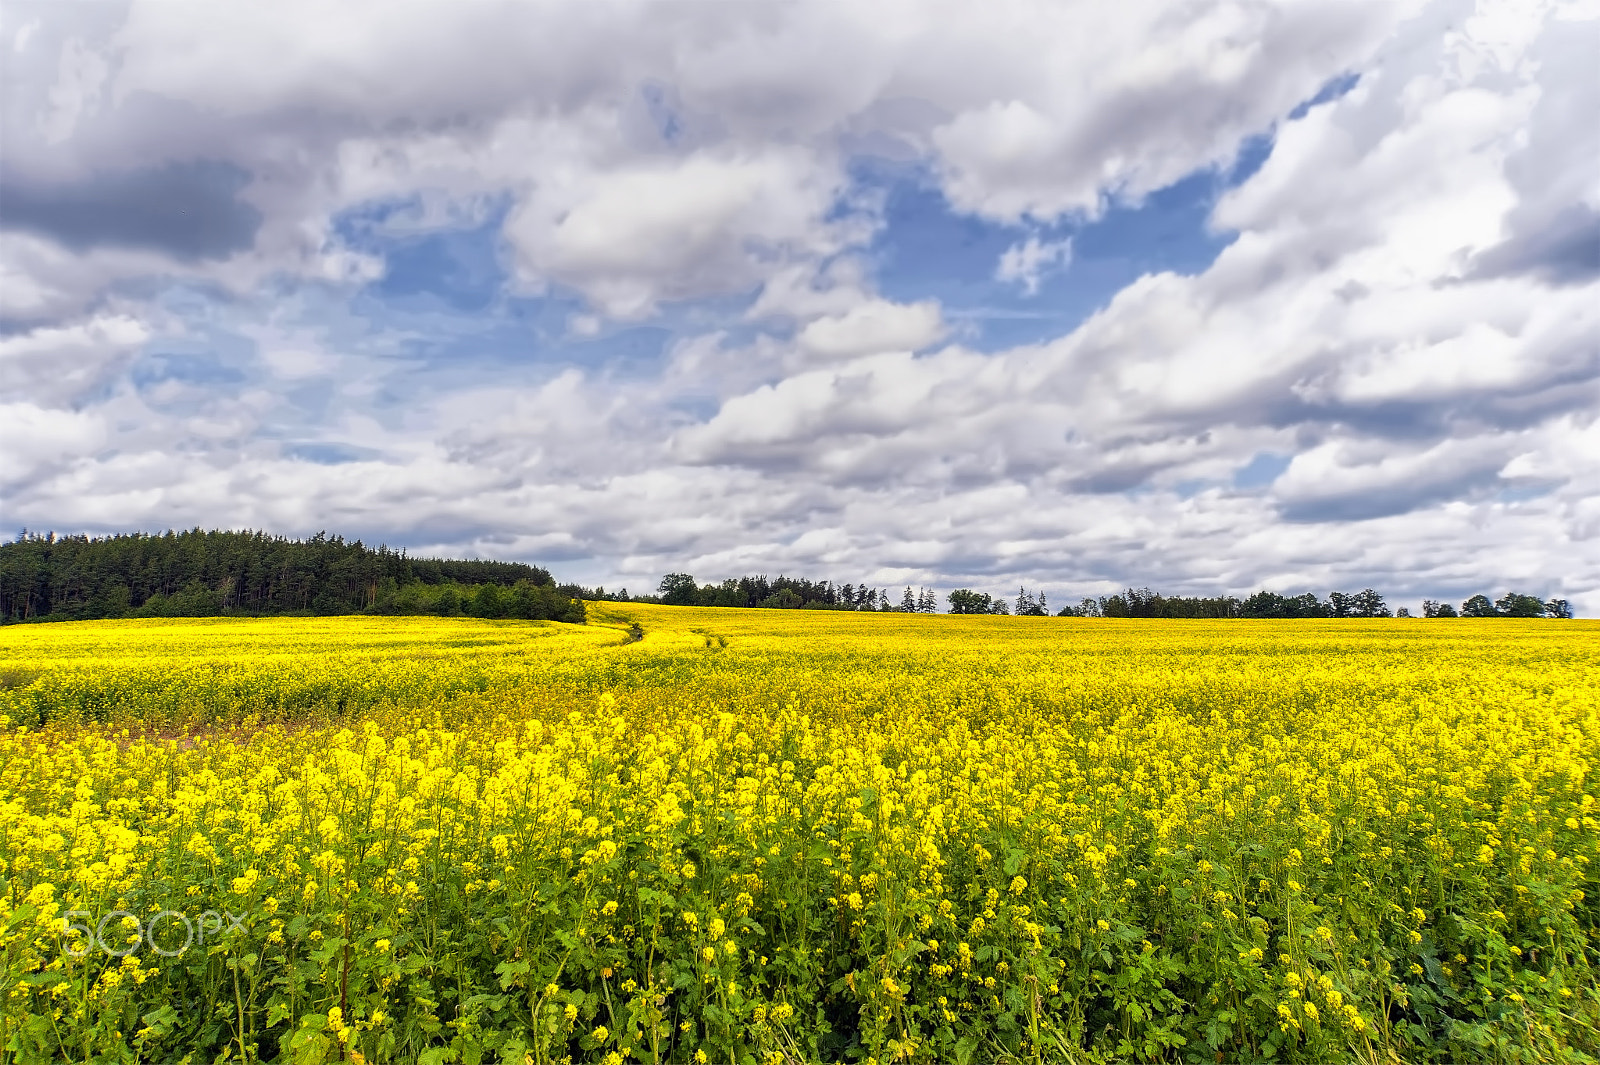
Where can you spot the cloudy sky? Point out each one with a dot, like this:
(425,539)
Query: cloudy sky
(1202,295)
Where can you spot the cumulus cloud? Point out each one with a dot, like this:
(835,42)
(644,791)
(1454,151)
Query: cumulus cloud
(1025,263)
(56,366)
(675,229)
(653,152)
(1178,88)
(872,327)
(200,203)
(37,441)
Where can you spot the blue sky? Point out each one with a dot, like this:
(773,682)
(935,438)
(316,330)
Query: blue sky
(1247,294)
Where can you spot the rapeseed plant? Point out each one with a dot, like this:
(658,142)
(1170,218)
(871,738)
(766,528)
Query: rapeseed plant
(798,837)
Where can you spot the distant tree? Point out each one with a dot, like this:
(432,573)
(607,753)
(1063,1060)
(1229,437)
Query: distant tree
(1339,605)
(1368,604)
(678,589)
(1403,612)
(1516,605)
(1088,608)
(1028,606)
(194,600)
(1478,607)
(998,606)
(578,591)
(1264,604)
(1558,608)
(526,601)
(967,601)
(908,601)
(1307,605)
(221,572)
(784,599)
(486,603)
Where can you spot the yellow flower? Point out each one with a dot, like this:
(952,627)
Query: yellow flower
(370,773)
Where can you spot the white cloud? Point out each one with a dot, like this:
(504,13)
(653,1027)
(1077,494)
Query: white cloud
(1025,263)
(1402,311)
(36,441)
(630,236)
(56,366)
(1135,96)
(873,327)
(662,152)
(79,83)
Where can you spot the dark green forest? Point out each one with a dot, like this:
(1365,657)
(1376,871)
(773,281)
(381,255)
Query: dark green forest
(197,573)
(680,589)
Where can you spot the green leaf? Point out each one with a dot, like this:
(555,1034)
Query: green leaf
(509,973)
(309,1047)
(160,1021)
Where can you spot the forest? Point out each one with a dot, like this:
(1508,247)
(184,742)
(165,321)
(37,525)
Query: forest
(198,573)
(680,589)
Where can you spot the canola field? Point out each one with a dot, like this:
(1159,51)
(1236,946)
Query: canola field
(781,837)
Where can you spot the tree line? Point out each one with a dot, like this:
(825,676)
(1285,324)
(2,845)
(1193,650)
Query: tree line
(200,573)
(681,589)
(792,593)
(1367,603)
(196,573)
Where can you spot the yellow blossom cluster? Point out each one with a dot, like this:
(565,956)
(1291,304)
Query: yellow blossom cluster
(798,836)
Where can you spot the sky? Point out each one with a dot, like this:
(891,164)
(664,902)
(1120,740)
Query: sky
(1204,296)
